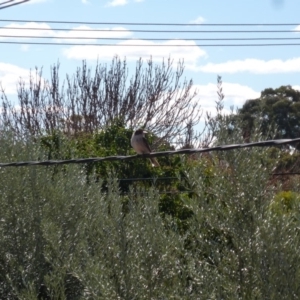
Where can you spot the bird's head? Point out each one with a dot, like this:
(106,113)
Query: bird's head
(140,131)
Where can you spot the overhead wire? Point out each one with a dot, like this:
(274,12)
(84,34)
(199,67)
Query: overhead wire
(144,39)
(5,2)
(153,154)
(12,4)
(149,23)
(58,39)
(154,45)
(154,179)
(149,30)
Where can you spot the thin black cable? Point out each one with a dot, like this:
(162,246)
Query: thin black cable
(140,45)
(147,179)
(145,39)
(5,2)
(283,174)
(151,24)
(160,193)
(151,31)
(154,154)
(154,179)
(3,7)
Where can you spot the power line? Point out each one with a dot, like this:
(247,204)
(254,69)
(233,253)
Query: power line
(154,179)
(154,154)
(9,5)
(150,31)
(145,39)
(151,24)
(148,179)
(283,174)
(5,2)
(141,45)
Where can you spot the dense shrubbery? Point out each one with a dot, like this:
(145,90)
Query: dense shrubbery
(64,238)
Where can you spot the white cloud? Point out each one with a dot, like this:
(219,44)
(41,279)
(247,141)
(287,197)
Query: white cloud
(10,75)
(35,1)
(24,31)
(256,66)
(127,49)
(297,28)
(117,3)
(296,87)
(198,20)
(43,29)
(24,48)
(84,1)
(116,32)
(235,95)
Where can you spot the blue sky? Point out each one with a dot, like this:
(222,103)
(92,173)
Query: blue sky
(245,71)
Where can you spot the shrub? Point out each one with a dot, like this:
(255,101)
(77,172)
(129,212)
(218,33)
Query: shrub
(62,238)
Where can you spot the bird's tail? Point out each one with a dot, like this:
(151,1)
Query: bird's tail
(154,162)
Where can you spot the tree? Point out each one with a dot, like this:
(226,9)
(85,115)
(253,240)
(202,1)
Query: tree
(277,111)
(153,96)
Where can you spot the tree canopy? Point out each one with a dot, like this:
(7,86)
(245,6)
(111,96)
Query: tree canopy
(277,111)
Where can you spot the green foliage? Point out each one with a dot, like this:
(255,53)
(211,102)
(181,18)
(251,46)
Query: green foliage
(67,240)
(283,161)
(276,109)
(55,146)
(286,202)
(217,237)
(115,140)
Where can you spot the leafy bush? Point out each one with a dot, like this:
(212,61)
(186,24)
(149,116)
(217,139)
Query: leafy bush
(64,238)
(285,202)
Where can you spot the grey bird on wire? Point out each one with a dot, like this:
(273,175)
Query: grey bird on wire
(141,146)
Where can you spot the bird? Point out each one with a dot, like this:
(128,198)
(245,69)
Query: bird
(141,146)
